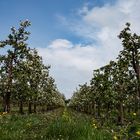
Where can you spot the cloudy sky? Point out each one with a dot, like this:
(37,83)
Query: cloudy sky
(73,36)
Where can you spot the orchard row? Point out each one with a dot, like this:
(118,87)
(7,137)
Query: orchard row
(24,79)
(114,90)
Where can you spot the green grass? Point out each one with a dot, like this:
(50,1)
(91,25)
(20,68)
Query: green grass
(26,127)
(63,124)
(75,130)
(54,125)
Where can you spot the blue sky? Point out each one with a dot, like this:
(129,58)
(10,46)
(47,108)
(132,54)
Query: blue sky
(44,17)
(74,36)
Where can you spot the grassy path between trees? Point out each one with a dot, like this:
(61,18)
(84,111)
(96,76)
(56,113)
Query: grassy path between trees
(59,124)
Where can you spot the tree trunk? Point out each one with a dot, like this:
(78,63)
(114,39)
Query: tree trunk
(43,110)
(138,86)
(21,107)
(34,107)
(121,114)
(30,107)
(8,94)
(94,108)
(107,111)
(108,107)
(98,110)
(6,102)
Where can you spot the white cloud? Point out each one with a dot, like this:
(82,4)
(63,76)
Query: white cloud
(60,44)
(73,64)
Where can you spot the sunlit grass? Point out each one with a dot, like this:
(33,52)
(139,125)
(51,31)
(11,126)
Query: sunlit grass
(62,124)
(50,126)
(27,127)
(69,127)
